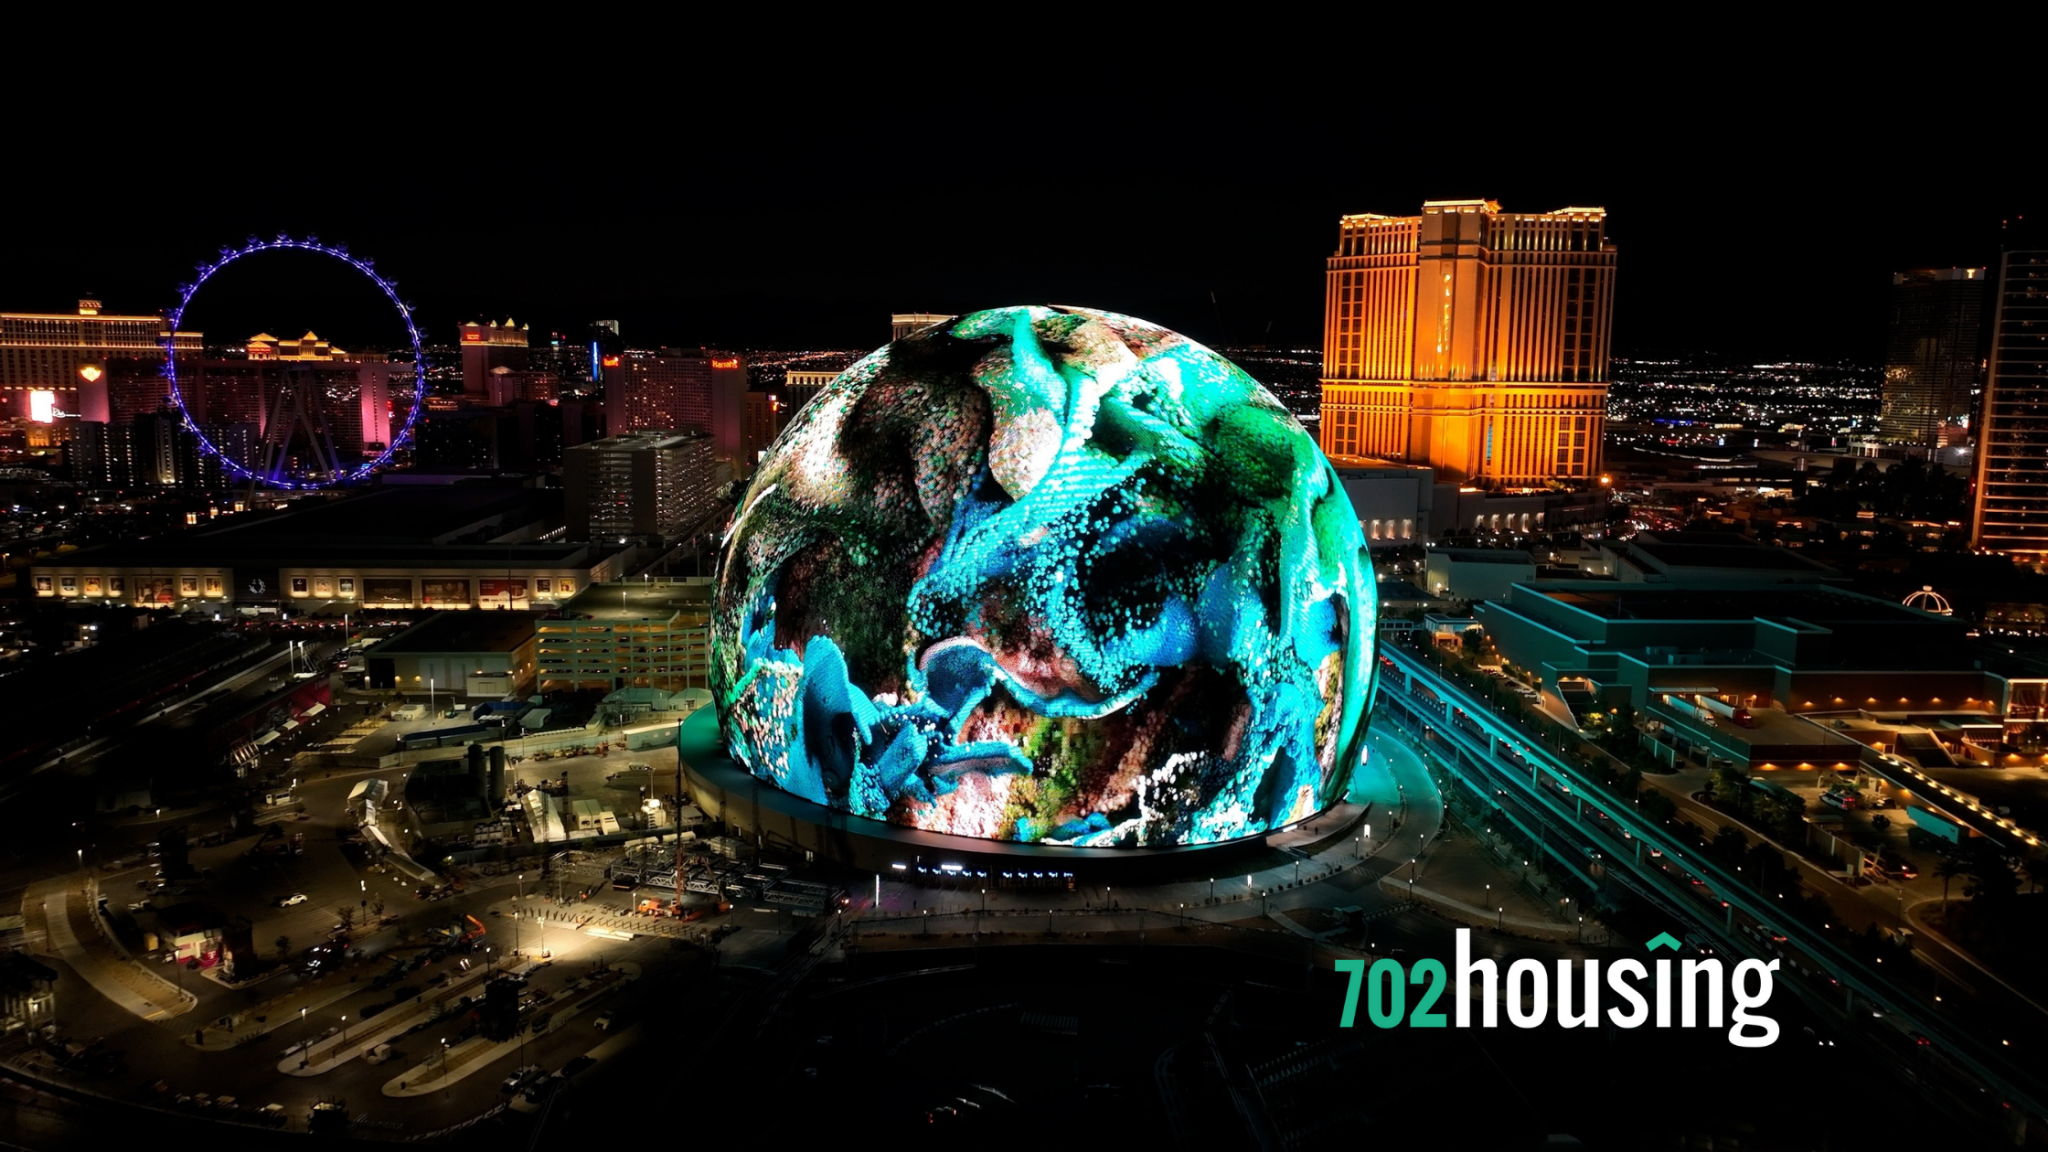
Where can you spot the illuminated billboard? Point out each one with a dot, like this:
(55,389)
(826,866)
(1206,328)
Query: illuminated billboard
(1048,575)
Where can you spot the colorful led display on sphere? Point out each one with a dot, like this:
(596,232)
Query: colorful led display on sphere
(1048,575)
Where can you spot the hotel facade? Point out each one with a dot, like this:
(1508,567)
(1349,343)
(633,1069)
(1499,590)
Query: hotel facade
(1473,340)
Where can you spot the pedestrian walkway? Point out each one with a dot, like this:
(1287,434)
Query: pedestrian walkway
(247,1025)
(79,941)
(345,1044)
(458,1061)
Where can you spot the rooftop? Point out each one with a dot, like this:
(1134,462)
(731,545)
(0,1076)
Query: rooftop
(630,601)
(1719,550)
(461,632)
(1485,555)
(1812,605)
(478,512)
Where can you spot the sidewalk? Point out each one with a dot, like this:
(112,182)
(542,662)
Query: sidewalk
(247,1025)
(70,927)
(459,1061)
(331,1052)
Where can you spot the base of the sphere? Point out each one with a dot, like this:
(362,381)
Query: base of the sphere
(759,812)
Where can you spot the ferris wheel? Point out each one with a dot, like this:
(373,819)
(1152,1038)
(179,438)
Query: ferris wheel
(291,409)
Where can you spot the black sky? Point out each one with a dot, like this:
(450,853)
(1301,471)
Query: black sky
(748,195)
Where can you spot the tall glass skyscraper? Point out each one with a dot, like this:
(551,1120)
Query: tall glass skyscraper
(2011,512)
(1931,357)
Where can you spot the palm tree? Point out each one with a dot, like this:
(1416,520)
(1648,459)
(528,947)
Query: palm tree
(2036,868)
(1951,866)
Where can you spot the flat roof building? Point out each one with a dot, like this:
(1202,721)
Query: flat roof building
(631,634)
(479,654)
(1771,650)
(472,545)
(1712,558)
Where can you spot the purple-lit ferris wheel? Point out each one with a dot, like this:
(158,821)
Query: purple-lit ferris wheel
(293,408)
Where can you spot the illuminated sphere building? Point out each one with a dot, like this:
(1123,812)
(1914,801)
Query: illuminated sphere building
(1048,575)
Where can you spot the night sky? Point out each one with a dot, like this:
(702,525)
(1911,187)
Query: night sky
(794,202)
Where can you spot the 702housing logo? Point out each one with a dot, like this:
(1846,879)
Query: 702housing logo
(1699,984)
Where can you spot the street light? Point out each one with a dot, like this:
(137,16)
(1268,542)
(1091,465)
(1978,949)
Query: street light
(306,1043)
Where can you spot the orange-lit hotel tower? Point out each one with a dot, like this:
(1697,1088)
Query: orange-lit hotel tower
(1470,339)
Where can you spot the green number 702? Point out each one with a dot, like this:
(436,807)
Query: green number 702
(1386,992)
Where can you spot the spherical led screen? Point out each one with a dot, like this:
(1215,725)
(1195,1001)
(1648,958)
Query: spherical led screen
(1049,575)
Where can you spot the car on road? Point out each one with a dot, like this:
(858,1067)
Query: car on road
(292,900)
(379,1054)
(537,1091)
(603,1022)
(576,1067)
(1897,868)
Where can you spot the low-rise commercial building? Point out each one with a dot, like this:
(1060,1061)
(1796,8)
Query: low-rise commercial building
(1476,573)
(1711,559)
(28,993)
(477,545)
(479,654)
(1768,674)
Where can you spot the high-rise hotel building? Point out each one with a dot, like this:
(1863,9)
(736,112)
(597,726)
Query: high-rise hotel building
(58,362)
(1470,339)
(2011,513)
(1930,363)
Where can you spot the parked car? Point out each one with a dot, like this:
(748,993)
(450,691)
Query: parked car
(603,1021)
(379,1054)
(519,1079)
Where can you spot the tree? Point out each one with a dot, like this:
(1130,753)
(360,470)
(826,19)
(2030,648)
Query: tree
(347,915)
(1950,867)
(1992,880)
(1781,812)
(1729,844)
(2036,868)
(1727,784)
(284,947)
(1630,786)
(1474,642)
(1656,805)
